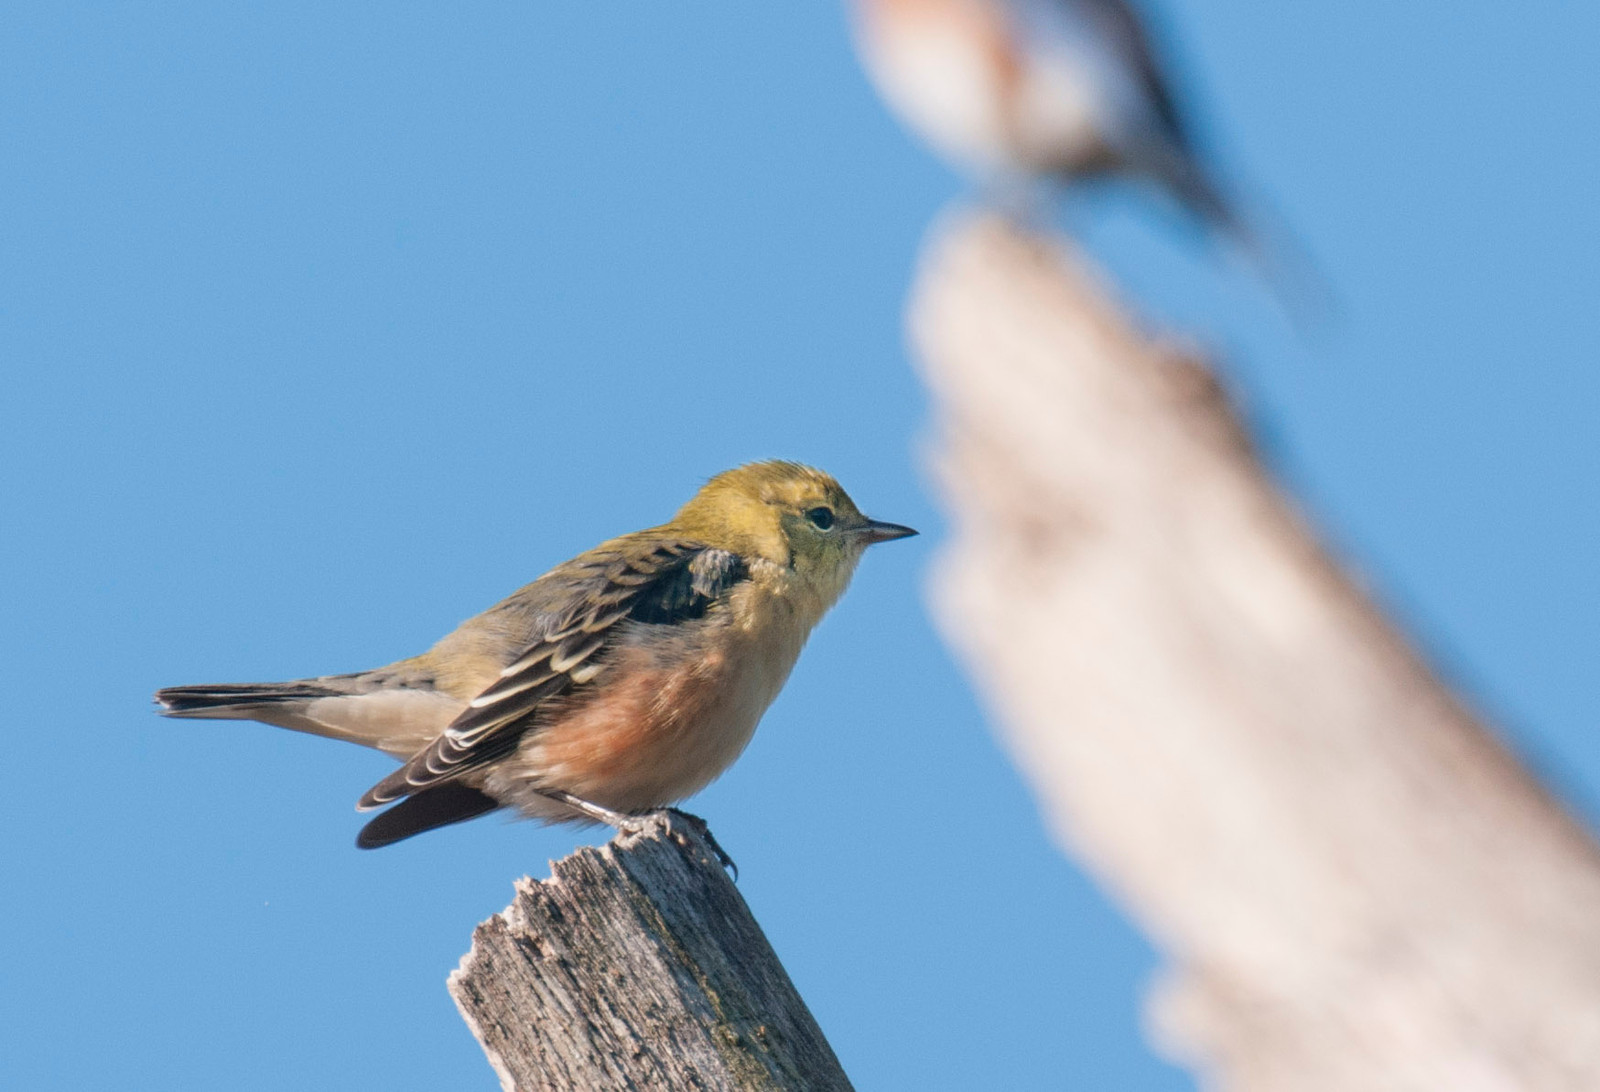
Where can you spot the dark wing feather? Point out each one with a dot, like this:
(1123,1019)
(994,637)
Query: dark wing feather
(1127,34)
(436,807)
(663,582)
(687,591)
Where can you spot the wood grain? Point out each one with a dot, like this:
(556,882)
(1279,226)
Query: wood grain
(637,965)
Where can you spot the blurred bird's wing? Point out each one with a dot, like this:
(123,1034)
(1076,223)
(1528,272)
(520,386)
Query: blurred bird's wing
(1125,33)
(642,578)
(1179,163)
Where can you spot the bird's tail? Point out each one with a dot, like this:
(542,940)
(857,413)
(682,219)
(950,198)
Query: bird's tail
(299,705)
(1265,243)
(241,701)
(395,709)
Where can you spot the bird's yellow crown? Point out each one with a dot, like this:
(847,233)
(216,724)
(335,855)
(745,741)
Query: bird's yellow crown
(784,512)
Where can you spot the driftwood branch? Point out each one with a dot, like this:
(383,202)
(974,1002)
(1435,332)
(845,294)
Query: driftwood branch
(1356,886)
(637,965)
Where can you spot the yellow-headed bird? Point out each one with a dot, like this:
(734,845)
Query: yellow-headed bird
(617,683)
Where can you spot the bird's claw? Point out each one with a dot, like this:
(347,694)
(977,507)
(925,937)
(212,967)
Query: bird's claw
(704,831)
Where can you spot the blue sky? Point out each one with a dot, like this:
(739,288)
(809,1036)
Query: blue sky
(325,326)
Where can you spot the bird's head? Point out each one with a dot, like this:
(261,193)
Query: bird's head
(792,515)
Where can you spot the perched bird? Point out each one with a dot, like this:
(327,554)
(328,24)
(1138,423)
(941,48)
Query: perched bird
(616,683)
(1021,90)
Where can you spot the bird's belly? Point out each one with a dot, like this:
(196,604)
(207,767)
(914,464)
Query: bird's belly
(657,727)
(1058,119)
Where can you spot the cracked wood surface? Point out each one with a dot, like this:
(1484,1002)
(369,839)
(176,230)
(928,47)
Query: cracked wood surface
(637,965)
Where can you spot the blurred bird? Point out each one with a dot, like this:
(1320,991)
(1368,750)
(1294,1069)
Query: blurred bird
(1018,90)
(617,683)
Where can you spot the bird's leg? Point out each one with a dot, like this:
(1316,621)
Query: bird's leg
(599,813)
(632,823)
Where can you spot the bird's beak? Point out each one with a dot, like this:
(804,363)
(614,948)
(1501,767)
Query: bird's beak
(877,531)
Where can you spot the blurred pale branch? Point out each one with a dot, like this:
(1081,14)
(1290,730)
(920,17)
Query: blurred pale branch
(1354,883)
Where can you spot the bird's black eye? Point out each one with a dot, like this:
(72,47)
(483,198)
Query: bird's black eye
(821,518)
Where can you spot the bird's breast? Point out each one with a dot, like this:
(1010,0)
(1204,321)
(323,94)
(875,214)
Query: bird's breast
(672,708)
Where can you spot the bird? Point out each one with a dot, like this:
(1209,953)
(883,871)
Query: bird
(1017,92)
(619,682)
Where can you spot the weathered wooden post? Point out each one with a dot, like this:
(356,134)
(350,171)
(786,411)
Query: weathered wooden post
(638,965)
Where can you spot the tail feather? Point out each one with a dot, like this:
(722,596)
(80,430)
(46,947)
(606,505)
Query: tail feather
(1266,244)
(370,708)
(436,806)
(238,701)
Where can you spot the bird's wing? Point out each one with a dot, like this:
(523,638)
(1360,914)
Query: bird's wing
(1126,33)
(654,581)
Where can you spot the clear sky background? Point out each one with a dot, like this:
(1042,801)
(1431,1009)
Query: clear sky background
(323,326)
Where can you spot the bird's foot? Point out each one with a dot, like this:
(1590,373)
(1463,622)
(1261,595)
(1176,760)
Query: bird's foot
(635,822)
(702,828)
